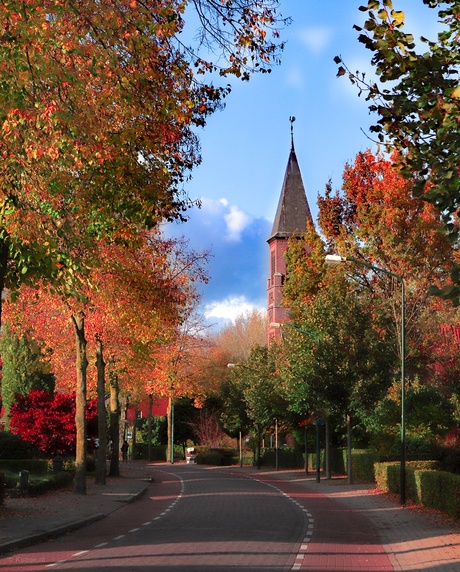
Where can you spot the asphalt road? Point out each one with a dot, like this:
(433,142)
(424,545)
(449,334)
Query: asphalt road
(192,519)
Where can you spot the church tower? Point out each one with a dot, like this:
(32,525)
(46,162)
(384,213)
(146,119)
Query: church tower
(291,218)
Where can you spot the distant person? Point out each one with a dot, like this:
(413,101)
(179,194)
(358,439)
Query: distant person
(124,450)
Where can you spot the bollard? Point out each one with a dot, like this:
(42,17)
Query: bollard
(23,481)
(58,464)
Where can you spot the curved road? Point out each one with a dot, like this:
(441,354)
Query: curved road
(204,519)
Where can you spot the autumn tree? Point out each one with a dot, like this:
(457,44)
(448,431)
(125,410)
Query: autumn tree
(238,337)
(68,69)
(376,218)
(135,300)
(354,312)
(416,99)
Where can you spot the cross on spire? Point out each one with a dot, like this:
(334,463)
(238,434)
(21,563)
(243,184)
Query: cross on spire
(292,119)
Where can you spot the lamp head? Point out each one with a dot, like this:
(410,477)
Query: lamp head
(334,259)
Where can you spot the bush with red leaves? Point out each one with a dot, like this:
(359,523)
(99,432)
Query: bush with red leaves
(47,421)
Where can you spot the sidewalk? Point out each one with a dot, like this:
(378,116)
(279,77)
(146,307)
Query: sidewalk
(29,520)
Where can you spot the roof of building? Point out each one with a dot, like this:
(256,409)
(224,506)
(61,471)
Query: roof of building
(293,210)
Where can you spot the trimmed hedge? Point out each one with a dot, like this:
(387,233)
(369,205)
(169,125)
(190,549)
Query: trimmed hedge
(36,466)
(56,481)
(387,477)
(158,452)
(2,488)
(287,459)
(424,484)
(222,457)
(441,490)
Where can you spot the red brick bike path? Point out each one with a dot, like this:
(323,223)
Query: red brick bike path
(338,538)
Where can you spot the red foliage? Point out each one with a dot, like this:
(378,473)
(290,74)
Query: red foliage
(48,421)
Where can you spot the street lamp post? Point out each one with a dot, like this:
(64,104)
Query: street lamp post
(335,259)
(171,413)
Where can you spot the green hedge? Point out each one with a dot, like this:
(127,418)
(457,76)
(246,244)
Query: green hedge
(158,452)
(287,459)
(52,482)
(441,490)
(2,488)
(424,484)
(387,477)
(222,457)
(36,466)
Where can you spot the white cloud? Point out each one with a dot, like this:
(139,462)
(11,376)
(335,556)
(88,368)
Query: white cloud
(316,39)
(295,77)
(213,206)
(229,308)
(236,221)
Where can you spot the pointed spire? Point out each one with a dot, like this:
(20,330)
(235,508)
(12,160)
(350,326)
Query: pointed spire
(293,209)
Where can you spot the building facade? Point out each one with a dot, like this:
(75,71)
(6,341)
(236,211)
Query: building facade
(291,219)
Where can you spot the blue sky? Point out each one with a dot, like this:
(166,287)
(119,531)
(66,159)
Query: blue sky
(245,147)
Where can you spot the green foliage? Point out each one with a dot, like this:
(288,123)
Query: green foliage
(449,459)
(347,368)
(233,414)
(287,459)
(217,457)
(35,466)
(14,447)
(424,483)
(158,431)
(441,491)
(50,483)
(387,475)
(362,463)
(2,487)
(25,367)
(428,418)
(254,389)
(158,452)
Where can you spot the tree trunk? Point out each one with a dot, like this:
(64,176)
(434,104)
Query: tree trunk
(134,442)
(349,446)
(114,425)
(101,415)
(4,257)
(149,428)
(80,405)
(170,448)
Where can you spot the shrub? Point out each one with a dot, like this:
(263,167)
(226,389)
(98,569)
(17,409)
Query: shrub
(35,466)
(52,482)
(441,490)
(450,459)
(287,459)
(2,488)
(388,476)
(14,447)
(217,457)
